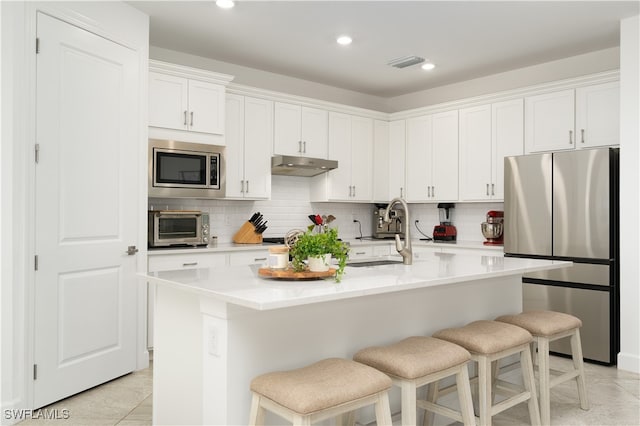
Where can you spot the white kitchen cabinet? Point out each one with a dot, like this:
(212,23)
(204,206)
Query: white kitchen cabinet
(598,115)
(181,104)
(351,144)
(432,157)
(573,119)
(389,160)
(253,257)
(488,133)
(249,135)
(300,131)
(186,104)
(169,262)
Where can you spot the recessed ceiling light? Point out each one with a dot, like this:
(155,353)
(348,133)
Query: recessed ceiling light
(428,66)
(344,40)
(225,4)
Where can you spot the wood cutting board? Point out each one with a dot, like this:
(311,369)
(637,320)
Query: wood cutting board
(290,274)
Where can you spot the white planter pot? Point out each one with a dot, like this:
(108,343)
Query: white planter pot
(319,264)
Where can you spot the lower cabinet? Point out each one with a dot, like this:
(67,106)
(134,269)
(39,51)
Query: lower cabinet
(168,262)
(253,257)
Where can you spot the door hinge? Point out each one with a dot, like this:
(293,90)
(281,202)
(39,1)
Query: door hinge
(37,45)
(35,371)
(37,152)
(35,262)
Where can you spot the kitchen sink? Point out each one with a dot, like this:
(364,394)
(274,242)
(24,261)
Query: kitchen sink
(358,264)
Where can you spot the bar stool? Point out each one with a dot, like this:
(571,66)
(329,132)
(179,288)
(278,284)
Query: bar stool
(417,361)
(547,326)
(328,388)
(488,342)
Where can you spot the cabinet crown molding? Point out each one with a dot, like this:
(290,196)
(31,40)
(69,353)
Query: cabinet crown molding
(189,72)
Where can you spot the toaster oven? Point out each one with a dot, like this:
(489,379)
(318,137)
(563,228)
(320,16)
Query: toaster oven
(171,228)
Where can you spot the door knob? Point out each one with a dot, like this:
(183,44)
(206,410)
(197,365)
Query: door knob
(131,250)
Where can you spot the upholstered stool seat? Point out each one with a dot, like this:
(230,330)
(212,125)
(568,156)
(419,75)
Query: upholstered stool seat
(547,326)
(417,361)
(488,342)
(327,388)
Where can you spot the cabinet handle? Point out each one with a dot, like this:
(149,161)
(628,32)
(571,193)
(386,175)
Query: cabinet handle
(304,147)
(242,186)
(433,191)
(401,193)
(259,259)
(190,264)
(570,137)
(428,192)
(185,117)
(354,190)
(300,147)
(350,191)
(247,186)
(487,189)
(493,189)
(191,118)
(582,135)
(360,253)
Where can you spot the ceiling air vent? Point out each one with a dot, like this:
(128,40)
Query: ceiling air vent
(405,61)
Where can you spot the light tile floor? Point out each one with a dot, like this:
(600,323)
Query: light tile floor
(614,396)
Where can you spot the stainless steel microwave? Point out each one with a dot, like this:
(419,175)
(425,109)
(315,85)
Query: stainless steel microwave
(185,170)
(170,228)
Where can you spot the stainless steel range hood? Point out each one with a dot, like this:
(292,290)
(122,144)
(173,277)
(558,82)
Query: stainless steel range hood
(289,165)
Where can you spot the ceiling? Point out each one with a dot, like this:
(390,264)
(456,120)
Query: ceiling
(465,39)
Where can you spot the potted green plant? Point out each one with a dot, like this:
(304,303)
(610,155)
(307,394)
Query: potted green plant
(317,245)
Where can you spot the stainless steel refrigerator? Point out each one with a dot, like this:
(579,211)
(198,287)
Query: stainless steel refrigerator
(564,206)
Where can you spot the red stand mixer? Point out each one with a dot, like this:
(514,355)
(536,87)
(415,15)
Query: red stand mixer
(493,228)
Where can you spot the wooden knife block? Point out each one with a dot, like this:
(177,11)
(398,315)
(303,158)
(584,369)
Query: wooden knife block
(247,235)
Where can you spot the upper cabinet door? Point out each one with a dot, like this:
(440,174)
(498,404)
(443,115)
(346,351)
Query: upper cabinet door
(507,139)
(300,131)
(234,154)
(418,158)
(258,143)
(339,180)
(287,129)
(168,101)
(475,153)
(549,121)
(314,130)
(598,115)
(397,151)
(206,107)
(361,158)
(444,160)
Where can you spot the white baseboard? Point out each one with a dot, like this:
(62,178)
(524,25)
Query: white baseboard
(629,362)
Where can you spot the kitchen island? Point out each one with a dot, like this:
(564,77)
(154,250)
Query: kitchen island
(217,328)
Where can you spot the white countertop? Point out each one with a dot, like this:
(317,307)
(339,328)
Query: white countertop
(241,285)
(228,247)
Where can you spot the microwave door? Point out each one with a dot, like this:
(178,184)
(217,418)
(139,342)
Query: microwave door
(180,169)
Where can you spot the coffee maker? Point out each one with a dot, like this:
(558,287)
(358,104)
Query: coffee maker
(445,231)
(493,228)
(382,229)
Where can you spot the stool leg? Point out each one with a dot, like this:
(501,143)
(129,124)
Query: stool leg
(484,388)
(530,385)
(464,395)
(383,411)
(432,396)
(256,415)
(578,363)
(408,402)
(544,377)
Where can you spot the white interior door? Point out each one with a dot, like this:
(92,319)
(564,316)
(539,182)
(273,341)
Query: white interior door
(86,210)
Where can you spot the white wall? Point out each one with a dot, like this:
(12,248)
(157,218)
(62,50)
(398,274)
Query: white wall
(629,357)
(575,66)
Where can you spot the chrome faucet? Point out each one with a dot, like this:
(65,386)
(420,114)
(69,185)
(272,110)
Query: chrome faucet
(403,249)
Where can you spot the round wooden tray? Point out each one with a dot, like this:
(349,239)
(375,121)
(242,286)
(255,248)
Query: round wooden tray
(290,274)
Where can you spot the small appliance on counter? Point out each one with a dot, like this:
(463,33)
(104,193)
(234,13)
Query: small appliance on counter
(382,229)
(493,228)
(251,231)
(176,228)
(445,231)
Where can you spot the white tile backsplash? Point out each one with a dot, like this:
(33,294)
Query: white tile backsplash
(289,208)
